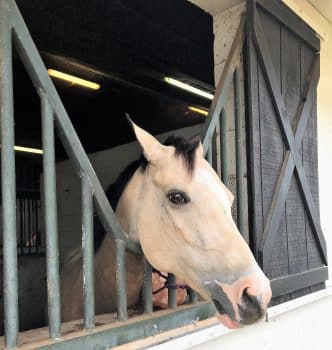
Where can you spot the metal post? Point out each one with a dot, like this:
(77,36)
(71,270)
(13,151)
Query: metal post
(171,280)
(147,287)
(121,280)
(223,146)
(10,283)
(88,254)
(209,153)
(238,149)
(192,296)
(52,251)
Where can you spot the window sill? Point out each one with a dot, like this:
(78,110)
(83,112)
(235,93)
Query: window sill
(210,329)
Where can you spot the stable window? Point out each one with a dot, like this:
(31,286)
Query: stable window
(259,134)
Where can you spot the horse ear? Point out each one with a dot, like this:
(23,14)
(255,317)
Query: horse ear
(199,150)
(152,148)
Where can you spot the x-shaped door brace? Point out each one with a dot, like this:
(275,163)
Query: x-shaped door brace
(292,157)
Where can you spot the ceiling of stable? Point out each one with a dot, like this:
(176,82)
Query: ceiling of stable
(215,6)
(126,46)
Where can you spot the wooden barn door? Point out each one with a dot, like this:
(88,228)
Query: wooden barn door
(282,76)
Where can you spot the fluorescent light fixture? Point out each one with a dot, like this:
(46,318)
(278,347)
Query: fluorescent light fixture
(198,110)
(28,150)
(73,80)
(188,87)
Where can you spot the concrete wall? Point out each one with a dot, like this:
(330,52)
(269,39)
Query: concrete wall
(107,165)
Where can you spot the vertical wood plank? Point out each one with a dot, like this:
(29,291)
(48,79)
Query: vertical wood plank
(310,164)
(272,150)
(291,92)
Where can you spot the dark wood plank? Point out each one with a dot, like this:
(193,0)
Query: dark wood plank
(256,224)
(295,213)
(291,20)
(281,112)
(295,282)
(310,165)
(280,100)
(272,154)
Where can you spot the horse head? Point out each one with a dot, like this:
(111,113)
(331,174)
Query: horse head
(180,212)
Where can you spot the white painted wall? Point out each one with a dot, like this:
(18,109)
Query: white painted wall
(297,325)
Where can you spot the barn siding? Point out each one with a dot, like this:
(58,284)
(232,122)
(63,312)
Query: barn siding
(295,249)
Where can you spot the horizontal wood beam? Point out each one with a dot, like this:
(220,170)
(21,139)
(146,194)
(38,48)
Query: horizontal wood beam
(292,283)
(290,20)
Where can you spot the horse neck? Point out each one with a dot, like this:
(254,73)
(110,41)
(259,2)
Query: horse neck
(125,211)
(128,205)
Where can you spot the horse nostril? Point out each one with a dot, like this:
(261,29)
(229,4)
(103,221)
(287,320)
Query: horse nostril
(250,309)
(247,298)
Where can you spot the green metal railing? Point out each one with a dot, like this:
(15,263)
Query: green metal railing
(13,32)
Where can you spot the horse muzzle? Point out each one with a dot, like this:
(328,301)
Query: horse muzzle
(241,303)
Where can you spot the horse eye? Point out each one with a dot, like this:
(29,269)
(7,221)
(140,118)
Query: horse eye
(177,197)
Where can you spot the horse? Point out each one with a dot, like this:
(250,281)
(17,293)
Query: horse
(175,206)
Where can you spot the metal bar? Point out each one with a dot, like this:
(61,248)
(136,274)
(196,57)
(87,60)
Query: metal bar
(88,254)
(116,333)
(221,91)
(193,297)
(21,243)
(121,280)
(209,153)
(37,71)
(239,149)
(223,146)
(171,291)
(10,283)
(147,287)
(52,253)
(218,148)
(30,239)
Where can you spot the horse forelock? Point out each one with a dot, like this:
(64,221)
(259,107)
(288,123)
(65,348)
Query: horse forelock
(184,148)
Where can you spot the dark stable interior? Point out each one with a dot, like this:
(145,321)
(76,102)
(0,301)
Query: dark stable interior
(127,47)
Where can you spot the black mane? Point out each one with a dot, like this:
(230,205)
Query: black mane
(183,148)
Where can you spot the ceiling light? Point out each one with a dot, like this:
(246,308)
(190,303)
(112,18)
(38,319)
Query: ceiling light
(28,150)
(188,87)
(198,110)
(73,80)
